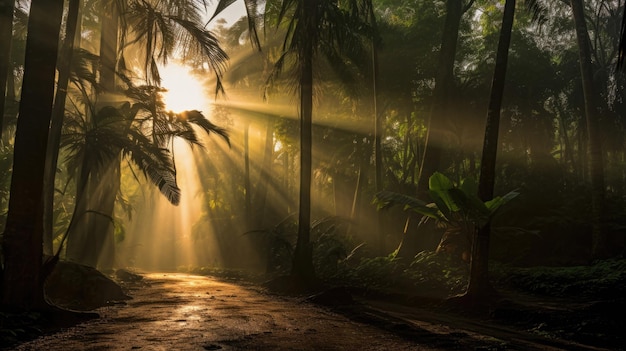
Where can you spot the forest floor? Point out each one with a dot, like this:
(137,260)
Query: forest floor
(175,311)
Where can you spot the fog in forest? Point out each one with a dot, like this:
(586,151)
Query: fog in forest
(425,148)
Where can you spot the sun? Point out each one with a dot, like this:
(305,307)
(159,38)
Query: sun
(185,91)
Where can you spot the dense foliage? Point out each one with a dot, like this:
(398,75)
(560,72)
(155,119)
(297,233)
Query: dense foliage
(383,116)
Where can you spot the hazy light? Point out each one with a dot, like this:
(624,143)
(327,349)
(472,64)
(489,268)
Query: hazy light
(184,90)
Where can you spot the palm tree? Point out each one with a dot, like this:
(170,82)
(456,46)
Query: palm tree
(303,44)
(23,277)
(125,129)
(156,29)
(54,136)
(316,29)
(479,286)
(444,84)
(153,31)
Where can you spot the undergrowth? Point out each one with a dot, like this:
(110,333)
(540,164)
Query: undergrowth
(606,278)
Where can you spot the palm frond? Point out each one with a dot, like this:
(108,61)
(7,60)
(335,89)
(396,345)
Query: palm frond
(221,6)
(196,117)
(537,11)
(252,17)
(161,132)
(156,164)
(203,42)
(386,199)
(82,71)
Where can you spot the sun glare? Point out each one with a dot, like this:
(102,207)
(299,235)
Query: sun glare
(184,90)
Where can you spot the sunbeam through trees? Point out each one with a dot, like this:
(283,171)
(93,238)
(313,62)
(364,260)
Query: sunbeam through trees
(385,159)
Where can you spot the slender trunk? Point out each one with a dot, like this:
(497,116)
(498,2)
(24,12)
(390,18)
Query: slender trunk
(405,151)
(77,231)
(378,130)
(479,271)
(286,179)
(569,151)
(599,248)
(101,245)
(266,172)
(23,280)
(109,45)
(54,136)
(444,83)
(302,268)
(84,242)
(6,37)
(359,202)
(246,167)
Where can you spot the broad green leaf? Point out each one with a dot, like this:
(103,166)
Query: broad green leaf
(460,200)
(439,182)
(510,195)
(440,186)
(431,211)
(498,201)
(470,187)
(389,198)
(442,205)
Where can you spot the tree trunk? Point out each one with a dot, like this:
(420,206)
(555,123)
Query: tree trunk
(479,285)
(378,131)
(266,174)
(54,136)
(246,175)
(22,286)
(360,203)
(302,268)
(109,45)
(599,248)
(6,37)
(444,83)
(92,227)
(79,229)
(97,210)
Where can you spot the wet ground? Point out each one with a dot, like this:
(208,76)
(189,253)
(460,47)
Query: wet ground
(171,311)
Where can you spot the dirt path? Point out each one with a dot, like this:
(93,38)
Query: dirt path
(186,312)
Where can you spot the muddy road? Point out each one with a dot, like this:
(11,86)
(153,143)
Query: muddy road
(171,311)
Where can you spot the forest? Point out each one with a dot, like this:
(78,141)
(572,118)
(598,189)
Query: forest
(453,155)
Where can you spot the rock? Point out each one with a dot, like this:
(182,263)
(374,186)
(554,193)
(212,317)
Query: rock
(81,288)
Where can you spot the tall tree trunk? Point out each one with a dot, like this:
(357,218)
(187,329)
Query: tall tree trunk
(109,45)
(6,37)
(302,268)
(22,240)
(444,83)
(599,247)
(359,202)
(246,175)
(479,285)
(54,136)
(266,173)
(378,153)
(78,228)
(378,131)
(95,218)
